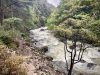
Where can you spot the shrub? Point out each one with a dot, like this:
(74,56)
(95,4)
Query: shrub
(10,65)
(14,33)
(13,23)
(13,66)
(9,42)
(2,32)
(11,32)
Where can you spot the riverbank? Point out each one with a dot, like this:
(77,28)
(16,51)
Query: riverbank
(43,37)
(35,61)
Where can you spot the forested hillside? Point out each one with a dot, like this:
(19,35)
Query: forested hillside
(24,51)
(80,16)
(19,16)
(32,12)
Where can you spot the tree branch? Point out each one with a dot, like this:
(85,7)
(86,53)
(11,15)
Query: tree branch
(66,59)
(74,51)
(80,51)
(80,57)
(65,47)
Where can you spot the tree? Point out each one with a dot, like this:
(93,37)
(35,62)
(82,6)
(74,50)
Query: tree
(1,13)
(2,9)
(74,58)
(13,22)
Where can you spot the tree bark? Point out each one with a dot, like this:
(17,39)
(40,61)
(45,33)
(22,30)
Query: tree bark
(71,68)
(1,13)
(71,64)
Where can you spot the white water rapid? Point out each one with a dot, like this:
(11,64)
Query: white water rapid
(91,57)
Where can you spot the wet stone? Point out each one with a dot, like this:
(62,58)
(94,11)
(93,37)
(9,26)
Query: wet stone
(83,61)
(90,65)
(99,50)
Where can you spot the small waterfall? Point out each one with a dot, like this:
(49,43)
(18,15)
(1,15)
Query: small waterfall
(90,66)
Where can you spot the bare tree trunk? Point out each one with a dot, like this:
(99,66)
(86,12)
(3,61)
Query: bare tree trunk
(73,52)
(71,68)
(1,13)
(71,64)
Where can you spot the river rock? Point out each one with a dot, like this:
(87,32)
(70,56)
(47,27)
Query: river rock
(56,51)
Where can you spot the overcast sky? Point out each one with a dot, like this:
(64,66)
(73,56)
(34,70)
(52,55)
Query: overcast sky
(54,2)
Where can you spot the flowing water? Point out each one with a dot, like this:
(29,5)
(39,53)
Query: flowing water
(91,57)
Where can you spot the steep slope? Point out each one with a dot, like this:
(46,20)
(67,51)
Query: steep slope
(19,16)
(33,12)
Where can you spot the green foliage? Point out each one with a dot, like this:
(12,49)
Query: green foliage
(51,26)
(61,32)
(70,22)
(6,40)
(82,15)
(22,16)
(11,33)
(30,25)
(8,37)
(2,32)
(87,36)
(95,26)
(13,20)
(51,23)
(83,35)
(25,15)
(9,42)
(13,23)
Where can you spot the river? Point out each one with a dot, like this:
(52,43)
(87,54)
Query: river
(91,57)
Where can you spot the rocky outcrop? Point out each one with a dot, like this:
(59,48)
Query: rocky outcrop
(45,37)
(37,63)
(43,66)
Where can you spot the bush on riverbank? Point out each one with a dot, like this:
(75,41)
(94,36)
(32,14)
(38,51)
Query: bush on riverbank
(9,42)
(10,65)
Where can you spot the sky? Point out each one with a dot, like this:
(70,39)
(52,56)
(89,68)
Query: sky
(54,2)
